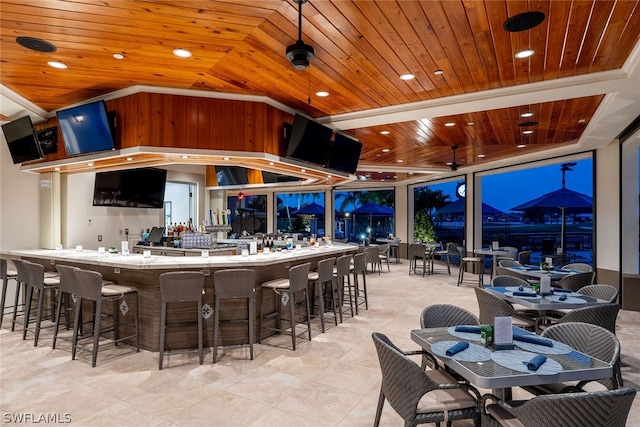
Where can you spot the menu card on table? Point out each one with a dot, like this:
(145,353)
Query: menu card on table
(495,245)
(503,333)
(545,285)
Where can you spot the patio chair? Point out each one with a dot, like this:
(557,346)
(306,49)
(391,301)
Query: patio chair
(604,315)
(490,306)
(420,396)
(418,251)
(445,253)
(504,271)
(524,257)
(601,291)
(509,263)
(476,263)
(603,408)
(577,281)
(507,280)
(578,266)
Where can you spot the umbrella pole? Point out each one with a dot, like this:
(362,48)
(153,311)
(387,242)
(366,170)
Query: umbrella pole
(562,231)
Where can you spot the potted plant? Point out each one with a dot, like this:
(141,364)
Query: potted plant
(423,230)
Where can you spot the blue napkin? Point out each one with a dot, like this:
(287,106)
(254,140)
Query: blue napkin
(563,297)
(535,362)
(561,290)
(468,328)
(521,288)
(532,339)
(462,345)
(524,294)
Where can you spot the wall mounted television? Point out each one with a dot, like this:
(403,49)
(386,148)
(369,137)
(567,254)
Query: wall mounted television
(344,154)
(309,141)
(130,188)
(22,140)
(231,175)
(86,129)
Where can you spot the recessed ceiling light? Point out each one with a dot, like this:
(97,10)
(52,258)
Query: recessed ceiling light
(449,124)
(407,76)
(56,169)
(271,163)
(521,146)
(303,170)
(384,132)
(118,56)
(438,72)
(378,155)
(58,65)
(470,123)
(528,114)
(322,94)
(582,120)
(400,161)
(225,158)
(182,53)
(525,53)
(481,156)
(385,150)
(410,173)
(129,159)
(527,132)
(89,164)
(184,156)
(395,176)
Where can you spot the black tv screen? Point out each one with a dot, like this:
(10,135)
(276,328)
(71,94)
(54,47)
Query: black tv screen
(274,178)
(309,141)
(231,175)
(130,188)
(344,154)
(22,140)
(86,129)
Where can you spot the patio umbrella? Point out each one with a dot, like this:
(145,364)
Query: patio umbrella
(310,209)
(565,199)
(458,207)
(373,209)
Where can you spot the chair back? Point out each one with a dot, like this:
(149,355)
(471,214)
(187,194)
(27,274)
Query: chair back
(373,254)
(589,339)
(35,273)
(445,315)
(384,249)
(360,262)
(3,271)
(178,286)
(299,277)
(404,382)
(524,257)
(89,284)
(21,270)
(602,408)
(509,263)
(601,291)
(504,271)
(579,266)
(343,266)
(604,315)
(234,283)
(512,249)
(68,280)
(325,270)
(504,281)
(490,306)
(417,250)
(577,281)
(462,251)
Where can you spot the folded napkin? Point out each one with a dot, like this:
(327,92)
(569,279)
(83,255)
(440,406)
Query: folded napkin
(524,294)
(535,362)
(468,328)
(563,297)
(532,339)
(462,345)
(521,288)
(561,290)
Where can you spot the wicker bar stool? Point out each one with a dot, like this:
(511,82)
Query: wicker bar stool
(318,280)
(342,272)
(67,290)
(22,277)
(360,268)
(234,284)
(89,287)
(180,286)
(476,263)
(7,274)
(37,281)
(285,291)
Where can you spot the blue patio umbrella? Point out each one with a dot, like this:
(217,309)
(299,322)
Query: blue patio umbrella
(373,209)
(310,209)
(458,207)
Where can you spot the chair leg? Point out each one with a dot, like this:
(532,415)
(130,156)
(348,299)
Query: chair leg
(376,421)
(216,327)
(306,297)
(76,326)
(320,287)
(292,309)
(96,332)
(350,295)
(137,322)
(3,299)
(333,301)
(251,316)
(163,327)
(57,320)
(335,288)
(19,287)
(39,316)
(27,311)
(200,337)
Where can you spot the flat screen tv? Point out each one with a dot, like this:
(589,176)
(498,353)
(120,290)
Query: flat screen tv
(344,154)
(86,129)
(274,178)
(309,141)
(231,175)
(22,140)
(130,188)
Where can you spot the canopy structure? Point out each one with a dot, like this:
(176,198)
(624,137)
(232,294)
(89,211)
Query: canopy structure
(310,209)
(373,209)
(458,207)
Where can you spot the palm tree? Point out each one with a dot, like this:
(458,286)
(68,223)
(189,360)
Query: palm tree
(426,199)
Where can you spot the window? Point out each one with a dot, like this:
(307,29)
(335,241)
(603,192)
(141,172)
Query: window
(439,212)
(179,202)
(248,214)
(301,213)
(363,216)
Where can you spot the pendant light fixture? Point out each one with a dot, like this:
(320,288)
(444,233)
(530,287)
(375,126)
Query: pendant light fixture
(454,165)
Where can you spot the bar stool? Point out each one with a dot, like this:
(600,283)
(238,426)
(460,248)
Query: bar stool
(89,287)
(22,278)
(418,251)
(67,291)
(318,280)
(360,267)
(342,271)
(180,286)
(7,274)
(476,263)
(37,281)
(285,291)
(234,284)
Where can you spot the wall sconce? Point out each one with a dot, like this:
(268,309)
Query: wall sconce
(240,196)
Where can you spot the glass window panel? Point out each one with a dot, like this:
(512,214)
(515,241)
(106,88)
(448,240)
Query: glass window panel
(301,213)
(439,212)
(364,216)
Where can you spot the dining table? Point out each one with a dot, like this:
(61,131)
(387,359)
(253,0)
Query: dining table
(394,247)
(500,370)
(560,299)
(536,272)
(495,254)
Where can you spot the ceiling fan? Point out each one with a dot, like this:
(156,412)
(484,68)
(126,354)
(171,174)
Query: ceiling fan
(300,54)
(454,165)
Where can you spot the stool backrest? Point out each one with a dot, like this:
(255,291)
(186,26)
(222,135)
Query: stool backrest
(36,274)
(177,286)
(325,270)
(299,277)
(343,266)
(89,284)
(68,279)
(23,274)
(3,270)
(234,283)
(360,261)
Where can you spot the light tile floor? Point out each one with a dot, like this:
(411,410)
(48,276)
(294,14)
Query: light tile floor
(333,380)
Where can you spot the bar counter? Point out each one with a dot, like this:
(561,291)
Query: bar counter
(143,273)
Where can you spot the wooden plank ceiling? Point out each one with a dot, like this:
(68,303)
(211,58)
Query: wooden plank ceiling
(361,49)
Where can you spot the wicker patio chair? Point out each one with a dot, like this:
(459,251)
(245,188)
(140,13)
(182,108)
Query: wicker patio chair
(491,306)
(579,266)
(322,286)
(509,263)
(476,263)
(418,251)
(576,281)
(7,274)
(504,281)
(587,409)
(420,396)
(604,315)
(504,271)
(524,257)
(601,291)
